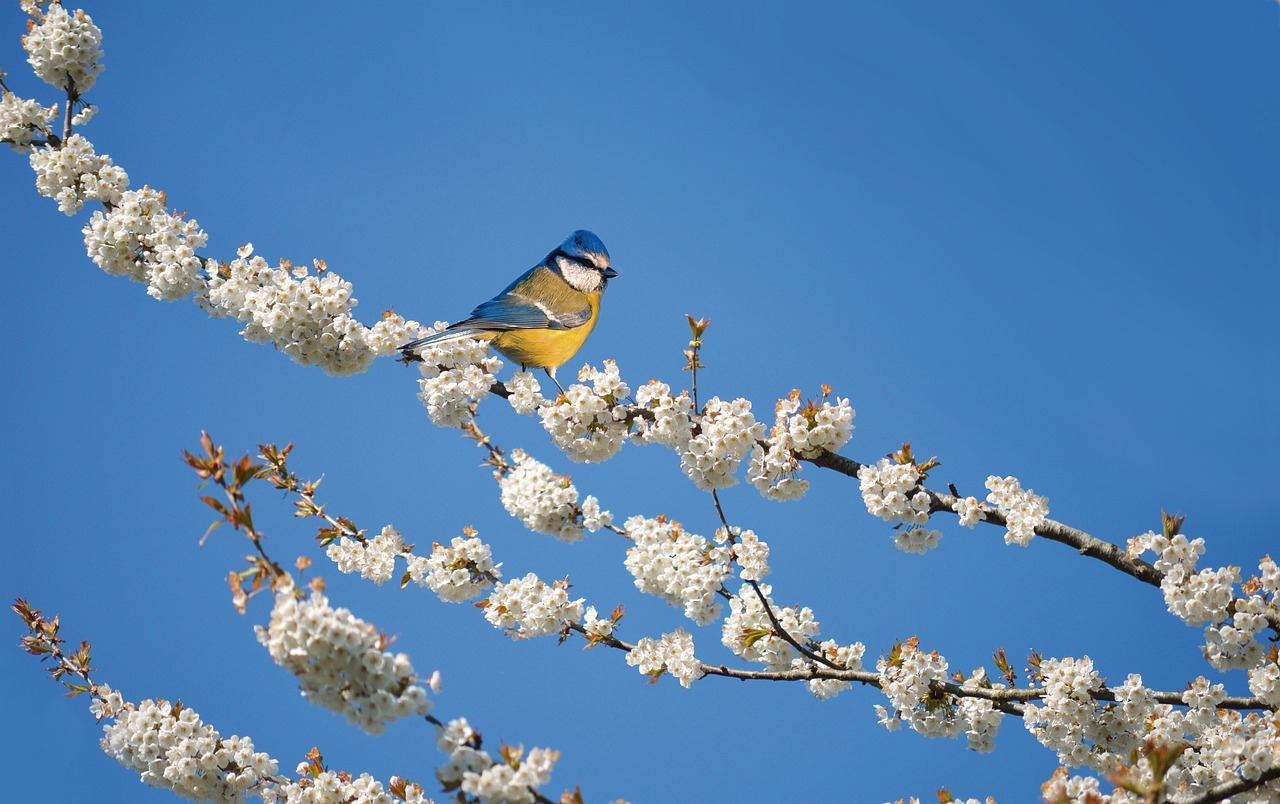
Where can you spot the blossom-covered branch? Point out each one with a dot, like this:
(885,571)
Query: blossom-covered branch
(1129,731)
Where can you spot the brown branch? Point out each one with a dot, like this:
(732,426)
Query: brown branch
(1007,700)
(1084,543)
(1233,787)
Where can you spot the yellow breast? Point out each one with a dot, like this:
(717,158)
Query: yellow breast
(546,348)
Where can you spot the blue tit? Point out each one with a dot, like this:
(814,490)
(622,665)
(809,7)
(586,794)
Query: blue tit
(544,317)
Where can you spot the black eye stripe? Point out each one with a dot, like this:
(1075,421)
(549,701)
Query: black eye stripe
(559,252)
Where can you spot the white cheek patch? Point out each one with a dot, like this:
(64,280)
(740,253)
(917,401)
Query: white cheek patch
(581,278)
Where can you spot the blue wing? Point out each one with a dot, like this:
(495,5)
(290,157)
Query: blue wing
(558,305)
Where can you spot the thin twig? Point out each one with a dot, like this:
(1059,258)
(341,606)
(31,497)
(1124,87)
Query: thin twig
(68,109)
(764,601)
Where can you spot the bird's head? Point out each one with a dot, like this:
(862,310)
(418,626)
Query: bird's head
(583,261)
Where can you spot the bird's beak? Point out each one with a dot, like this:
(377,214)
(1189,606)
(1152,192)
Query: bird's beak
(609,273)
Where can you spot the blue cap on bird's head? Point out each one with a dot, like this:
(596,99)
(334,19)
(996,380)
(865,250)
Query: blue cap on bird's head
(583,245)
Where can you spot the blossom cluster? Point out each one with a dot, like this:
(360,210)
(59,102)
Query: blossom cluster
(172,748)
(728,432)
(1208,597)
(545,501)
(338,659)
(1066,720)
(326,786)
(456,573)
(524,393)
(749,552)
(908,677)
(1222,745)
(588,423)
(473,771)
(749,632)
(1023,510)
(595,625)
(374,559)
(139,239)
(307,316)
(774,472)
(848,657)
(65,49)
(671,424)
(1264,682)
(970,510)
(673,654)
(72,174)
(455,374)
(530,607)
(891,490)
(23,120)
(799,431)
(683,568)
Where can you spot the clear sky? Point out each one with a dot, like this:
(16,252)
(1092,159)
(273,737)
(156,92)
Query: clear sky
(1036,239)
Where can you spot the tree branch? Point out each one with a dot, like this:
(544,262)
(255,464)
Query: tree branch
(1234,787)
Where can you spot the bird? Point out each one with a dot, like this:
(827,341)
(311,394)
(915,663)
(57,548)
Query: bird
(542,318)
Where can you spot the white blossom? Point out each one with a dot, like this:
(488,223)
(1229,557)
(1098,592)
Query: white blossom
(673,653)
(848,657)
(1264,682)
(1067,721)
(811,429)
(907,680)
(1208,597)
(1024,511)
(774,471)
(541,499)
(339,661)
(172,748)
(594,519)
(455,374)
(475,773)
(142,241)
(83,116)
(587,423)
(529,607)
(890,490)
(672,423)
(971,511)
(106,702)
(385,337)
(65,48)
(751,554)
(596,625)
(728,432)
(330,786)
(1270,577)
(73,173)
(524,388)
(749,632)
(374,559)
(800,431)
(307,316)
(23,120)
(679,566)
(456,573)
(916,540)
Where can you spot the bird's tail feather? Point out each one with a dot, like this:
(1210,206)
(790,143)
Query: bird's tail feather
(440,337)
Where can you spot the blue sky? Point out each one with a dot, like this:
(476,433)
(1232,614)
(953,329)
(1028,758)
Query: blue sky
(1033,239)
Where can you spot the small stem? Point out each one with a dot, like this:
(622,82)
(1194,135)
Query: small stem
(764,601)
(67,109)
